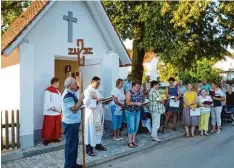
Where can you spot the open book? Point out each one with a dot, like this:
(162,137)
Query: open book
(145,102)
(207,102)
(107,99)
(172,97)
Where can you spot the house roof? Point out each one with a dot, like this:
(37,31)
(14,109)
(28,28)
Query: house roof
(149,56)
(20,27)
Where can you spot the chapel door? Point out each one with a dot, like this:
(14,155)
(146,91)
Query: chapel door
(88,72)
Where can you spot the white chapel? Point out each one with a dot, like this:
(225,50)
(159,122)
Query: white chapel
(45,41)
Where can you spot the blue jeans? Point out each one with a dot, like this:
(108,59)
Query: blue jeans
(116,119)
(71,132)
(133,119)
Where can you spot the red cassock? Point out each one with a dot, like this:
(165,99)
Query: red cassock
(51,129)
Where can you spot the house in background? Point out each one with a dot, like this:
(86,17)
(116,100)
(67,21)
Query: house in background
(227,67)
(150,66)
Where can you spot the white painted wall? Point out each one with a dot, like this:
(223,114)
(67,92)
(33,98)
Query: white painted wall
(110,73)
(225,64)
(27,100)
(10,88)
(9,94)
(50,38)
(153,69)
(124,71)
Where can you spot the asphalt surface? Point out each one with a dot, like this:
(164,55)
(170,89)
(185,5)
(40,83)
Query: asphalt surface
(214,151)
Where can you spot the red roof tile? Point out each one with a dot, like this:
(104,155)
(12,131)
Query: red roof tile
(147,58)
(21,23)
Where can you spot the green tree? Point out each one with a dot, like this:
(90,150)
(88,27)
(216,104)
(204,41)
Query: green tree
(166,71)
(202,70)
(10,10)
(226,20)
(197,35)
(179,32)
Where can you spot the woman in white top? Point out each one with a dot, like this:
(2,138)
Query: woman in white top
(205,102)
(218,97)
(117,108)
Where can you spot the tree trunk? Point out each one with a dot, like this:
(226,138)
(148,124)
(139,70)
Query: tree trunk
(138,55)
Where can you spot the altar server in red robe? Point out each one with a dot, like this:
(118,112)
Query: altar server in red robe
(51,130)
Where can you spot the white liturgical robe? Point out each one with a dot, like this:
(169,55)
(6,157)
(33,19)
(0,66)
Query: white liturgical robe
(52,99)
(94,117)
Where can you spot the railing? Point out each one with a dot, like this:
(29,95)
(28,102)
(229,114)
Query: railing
(10,130)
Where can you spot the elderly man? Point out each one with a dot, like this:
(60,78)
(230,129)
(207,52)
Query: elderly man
(182,90)
(71,122)
(181,87)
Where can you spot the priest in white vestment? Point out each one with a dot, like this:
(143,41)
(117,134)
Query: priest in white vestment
(94,117)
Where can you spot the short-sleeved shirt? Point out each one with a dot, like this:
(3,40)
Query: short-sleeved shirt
(119,93)
(155,105)
(127,85)
(70,100)
(230,99)
(182,90)
(201,100)
(218,93)
(206,87)
(190,97)
(138,97)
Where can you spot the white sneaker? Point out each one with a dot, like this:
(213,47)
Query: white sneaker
(120,138)
(156,139)
(206,133)
(213,130)
(218,131)
(117,139)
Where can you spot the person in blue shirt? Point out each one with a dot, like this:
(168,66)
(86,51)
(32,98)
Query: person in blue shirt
(71,122)
(128,84)
(206,86)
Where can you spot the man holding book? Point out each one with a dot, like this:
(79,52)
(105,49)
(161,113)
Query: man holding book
(94,117)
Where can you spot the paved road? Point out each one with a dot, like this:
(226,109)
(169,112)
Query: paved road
(215,151)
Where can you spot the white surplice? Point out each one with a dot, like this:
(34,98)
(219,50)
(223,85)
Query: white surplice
(94,117)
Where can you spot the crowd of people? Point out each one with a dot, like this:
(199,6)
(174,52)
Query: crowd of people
(131,102)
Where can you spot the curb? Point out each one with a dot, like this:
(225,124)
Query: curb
(20,154)
(140,148)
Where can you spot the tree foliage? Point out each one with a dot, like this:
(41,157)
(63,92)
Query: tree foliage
(10,10)
(166,71)
(226,20)
(201,70)
(180,32)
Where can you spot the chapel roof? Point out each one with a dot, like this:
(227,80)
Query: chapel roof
(24,20)
(16,28)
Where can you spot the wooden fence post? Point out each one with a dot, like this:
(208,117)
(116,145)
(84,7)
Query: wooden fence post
(7,130)
(18,128)
(1,132)
(13,129)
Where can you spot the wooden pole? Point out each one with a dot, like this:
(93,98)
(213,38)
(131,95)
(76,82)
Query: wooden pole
(82,113)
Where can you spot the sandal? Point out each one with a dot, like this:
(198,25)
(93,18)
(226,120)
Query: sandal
(131,145)
(135,144)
